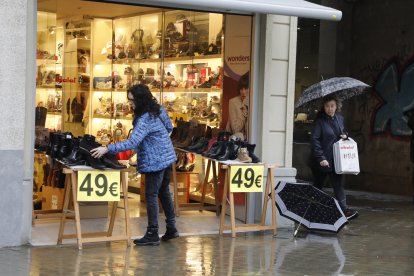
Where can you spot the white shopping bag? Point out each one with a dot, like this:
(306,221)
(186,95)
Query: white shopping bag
(346,157)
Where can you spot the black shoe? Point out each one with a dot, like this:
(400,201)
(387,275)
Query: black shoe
(350,214)
(150,238)
(111,162)
(170,234)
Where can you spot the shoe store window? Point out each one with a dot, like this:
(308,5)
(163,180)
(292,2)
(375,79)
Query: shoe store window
(89,54)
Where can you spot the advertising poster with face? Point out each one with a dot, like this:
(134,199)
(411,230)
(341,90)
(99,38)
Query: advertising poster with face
(236,88)
(236,95)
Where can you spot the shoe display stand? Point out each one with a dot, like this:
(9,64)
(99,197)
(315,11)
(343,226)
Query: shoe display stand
(211,168)
(71,183)
(269,190)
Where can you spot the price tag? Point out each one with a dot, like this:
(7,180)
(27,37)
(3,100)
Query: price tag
(246,179)
(98,186)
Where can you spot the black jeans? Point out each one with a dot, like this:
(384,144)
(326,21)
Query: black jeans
(157,185)
(336,182)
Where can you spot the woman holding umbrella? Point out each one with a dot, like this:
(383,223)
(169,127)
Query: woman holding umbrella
(328,128)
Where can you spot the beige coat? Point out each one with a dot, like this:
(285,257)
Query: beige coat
(238,114)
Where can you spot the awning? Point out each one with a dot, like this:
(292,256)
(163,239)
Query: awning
(297,8)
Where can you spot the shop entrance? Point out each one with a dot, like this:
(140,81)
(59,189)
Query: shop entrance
(89,54)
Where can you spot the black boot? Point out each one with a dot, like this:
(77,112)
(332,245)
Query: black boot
(170,234)
(230,153)
(57,144)
(86,144)
(220,150)
(111,162)
(75,157)
(66,147)
(250,149)
(150,238)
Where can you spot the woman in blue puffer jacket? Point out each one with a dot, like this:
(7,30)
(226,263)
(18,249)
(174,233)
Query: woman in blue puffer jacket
(150,139)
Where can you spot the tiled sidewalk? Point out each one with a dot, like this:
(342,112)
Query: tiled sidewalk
(379,242)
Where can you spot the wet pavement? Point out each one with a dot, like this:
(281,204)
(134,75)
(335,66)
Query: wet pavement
(379,242)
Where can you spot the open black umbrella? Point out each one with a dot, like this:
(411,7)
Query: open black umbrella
(342,87)
(309,206)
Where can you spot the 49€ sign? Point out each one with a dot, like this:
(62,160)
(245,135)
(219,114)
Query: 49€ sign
(98,186)
(246,179)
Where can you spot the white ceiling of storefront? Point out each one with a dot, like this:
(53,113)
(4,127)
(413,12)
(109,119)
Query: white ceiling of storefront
(66,8)
(300,8)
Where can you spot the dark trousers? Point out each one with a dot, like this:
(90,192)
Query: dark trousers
(157,185)
(336,182)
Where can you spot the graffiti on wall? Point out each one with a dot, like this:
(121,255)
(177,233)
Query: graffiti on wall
(394,90)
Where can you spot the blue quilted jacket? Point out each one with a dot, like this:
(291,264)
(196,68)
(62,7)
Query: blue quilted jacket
(150,139)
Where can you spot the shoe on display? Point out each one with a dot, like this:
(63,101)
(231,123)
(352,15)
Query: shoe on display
(243,156)
(170,234)
(250,149)
(230,153)
(75,157)
(150,238)
(350,214)
(110,161)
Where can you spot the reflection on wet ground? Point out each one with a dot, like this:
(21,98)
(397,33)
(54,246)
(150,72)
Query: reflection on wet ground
(379,242)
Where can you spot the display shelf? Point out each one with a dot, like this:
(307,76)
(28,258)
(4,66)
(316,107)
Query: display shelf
(48,61)
(47,87)
(183,59)
(153,90)
(58,113)
(136,60)
(122,118)
(87,28)
(97,116)
(190,59)
(192,90)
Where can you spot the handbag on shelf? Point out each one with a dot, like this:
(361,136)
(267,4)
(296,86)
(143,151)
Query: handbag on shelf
(346,158)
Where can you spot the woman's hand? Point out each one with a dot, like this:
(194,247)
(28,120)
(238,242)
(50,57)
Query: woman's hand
(99,152)
(324,163)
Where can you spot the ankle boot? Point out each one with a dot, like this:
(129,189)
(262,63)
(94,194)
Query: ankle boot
(191,134)
(219,151)
(202,146)
(66,147)
(210,144)
(86,144)
(150,238)
(230,153)
(250,149)
(75,157)
(179,129)
(58,137)
(95,163)
(110,161)
(170,234)
(243,156)
(183,134)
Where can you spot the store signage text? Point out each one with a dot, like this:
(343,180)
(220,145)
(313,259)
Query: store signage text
(238,59)
(98,186)
(60,79)
(246,179)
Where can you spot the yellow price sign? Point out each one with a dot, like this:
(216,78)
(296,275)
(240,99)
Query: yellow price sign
(98,186)
(246,179)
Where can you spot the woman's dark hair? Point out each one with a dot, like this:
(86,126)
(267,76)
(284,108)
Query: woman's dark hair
(243,82)
(144,101)
(329,98)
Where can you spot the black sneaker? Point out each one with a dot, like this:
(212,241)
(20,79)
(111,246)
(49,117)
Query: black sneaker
(350,214)
(150,238)
(170,234)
